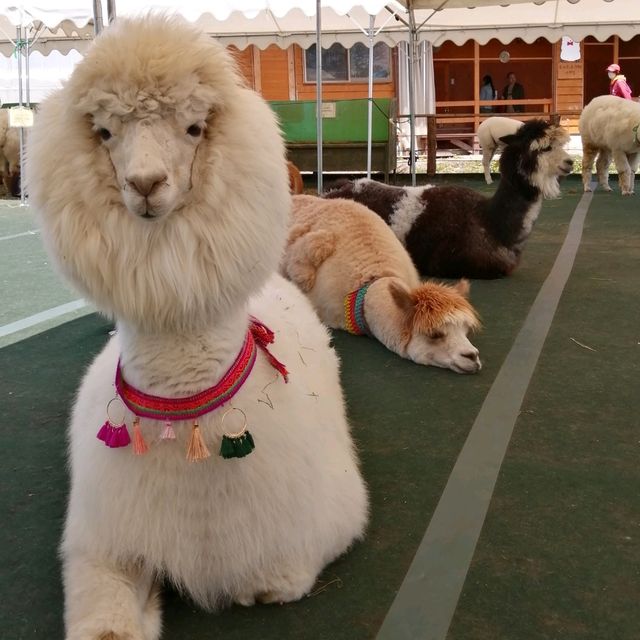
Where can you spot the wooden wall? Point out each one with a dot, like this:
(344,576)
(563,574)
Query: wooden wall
(278,74)
(340,90)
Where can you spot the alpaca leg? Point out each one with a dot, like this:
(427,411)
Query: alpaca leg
(487,155)
(103,602)
(588,156)
(305,255)
(602,168)
(634,162)
(624,172)
(284,586)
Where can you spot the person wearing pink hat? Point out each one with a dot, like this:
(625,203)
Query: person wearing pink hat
(618,86)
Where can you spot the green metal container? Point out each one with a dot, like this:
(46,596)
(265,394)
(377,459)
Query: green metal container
(343,121)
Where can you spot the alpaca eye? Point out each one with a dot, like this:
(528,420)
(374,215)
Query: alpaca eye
(105,134)
(194,130)
(546,149)
(436,335)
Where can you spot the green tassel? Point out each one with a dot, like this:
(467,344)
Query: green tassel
(237,447)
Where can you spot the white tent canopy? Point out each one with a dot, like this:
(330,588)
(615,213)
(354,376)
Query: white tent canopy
(343,23)
(285,22)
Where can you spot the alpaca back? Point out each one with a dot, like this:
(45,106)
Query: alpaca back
(492,129)
(365,247)
(609,121)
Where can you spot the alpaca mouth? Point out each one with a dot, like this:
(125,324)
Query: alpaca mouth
(148,216)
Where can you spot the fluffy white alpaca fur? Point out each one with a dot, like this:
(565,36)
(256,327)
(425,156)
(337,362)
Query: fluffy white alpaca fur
(489,133)
(336,246)
(180,247)
(9,153)
(610,126)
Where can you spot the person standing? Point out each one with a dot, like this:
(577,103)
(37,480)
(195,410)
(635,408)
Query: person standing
(487,92)
(513,91)
(618,86)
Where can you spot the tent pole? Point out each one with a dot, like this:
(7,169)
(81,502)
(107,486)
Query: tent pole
(111,11)
(412,104)
(370,34)
(19,44)
(97,17)
(319,94)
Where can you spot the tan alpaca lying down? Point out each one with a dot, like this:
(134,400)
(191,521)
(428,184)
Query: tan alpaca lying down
(360,278)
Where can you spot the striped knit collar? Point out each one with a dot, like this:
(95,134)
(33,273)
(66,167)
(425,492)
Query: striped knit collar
(354,320)
(145,405)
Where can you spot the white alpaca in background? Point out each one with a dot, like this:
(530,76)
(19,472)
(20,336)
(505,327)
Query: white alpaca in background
(610,126)
(152,207)
(489,133)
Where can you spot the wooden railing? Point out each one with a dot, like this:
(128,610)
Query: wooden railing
(439,124)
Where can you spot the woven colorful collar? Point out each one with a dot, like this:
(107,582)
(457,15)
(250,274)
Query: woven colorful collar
(354,319)
(167,410)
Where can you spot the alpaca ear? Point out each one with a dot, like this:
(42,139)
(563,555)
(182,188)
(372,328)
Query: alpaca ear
(402,297)
(508,139)
(463,287)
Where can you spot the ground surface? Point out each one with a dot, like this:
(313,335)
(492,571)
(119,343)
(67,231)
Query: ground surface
(558,555)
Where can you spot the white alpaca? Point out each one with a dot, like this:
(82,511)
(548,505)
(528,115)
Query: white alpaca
(610,126)
(489,133)
(359,277)
(151,205)
(9,154)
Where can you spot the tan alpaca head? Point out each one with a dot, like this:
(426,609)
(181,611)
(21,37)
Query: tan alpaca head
(438,319)
(159,179)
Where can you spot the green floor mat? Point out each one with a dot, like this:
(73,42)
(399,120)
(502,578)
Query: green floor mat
(410,422)
(559,556)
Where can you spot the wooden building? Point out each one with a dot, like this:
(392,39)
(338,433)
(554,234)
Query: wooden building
(553,87)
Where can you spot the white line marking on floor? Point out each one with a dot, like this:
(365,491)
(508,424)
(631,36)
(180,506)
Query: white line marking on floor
(19,235)
(428,596)
(43,316)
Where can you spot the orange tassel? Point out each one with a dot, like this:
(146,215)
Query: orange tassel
(140,447)
(197,449)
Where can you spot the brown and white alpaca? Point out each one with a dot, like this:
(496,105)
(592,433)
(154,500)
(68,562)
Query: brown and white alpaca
(133,169)
(453,231)
(360,278)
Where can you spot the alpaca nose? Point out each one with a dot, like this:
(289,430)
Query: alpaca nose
(144,184)
(471,355)
(569,161)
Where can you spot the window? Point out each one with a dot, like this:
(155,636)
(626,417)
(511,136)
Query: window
(340,65)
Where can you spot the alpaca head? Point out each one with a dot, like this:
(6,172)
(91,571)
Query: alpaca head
(536,153)
(159,179)
(438,319)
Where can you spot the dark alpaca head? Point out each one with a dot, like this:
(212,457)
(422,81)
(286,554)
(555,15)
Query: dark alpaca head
(535,156)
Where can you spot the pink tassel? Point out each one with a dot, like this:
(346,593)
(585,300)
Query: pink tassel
(168,433)
(140,447)
(114,437)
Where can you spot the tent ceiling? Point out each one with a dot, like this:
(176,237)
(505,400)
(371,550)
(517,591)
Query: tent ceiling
(285,22)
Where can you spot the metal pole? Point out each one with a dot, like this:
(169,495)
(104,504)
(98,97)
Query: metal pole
(26,68)
(111,10)
(97,17)
(319,94)
(372,21)
(412,104)
(19,60)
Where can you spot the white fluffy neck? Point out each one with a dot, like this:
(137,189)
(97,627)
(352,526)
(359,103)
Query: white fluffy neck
(173,365)
(384,317)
